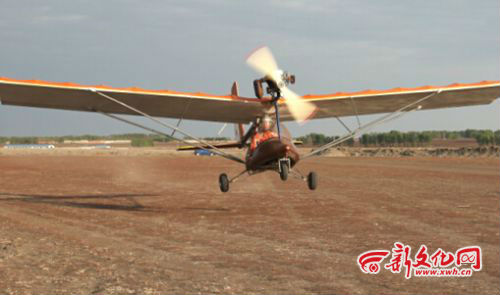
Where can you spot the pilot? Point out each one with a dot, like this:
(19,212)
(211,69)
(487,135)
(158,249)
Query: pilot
(264,133)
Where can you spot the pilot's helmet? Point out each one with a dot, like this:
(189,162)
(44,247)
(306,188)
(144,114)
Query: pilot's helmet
(266,124)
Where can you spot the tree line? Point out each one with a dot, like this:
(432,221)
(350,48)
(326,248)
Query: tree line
(320,139)
(396,138)
(411,138)
(391,138)
(137,139)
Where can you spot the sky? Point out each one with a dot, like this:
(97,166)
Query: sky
(201,46)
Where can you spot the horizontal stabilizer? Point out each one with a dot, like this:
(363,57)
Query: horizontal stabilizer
(219,146)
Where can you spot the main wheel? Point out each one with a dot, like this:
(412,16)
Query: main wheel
(223,183)
(312,180)
(283,170)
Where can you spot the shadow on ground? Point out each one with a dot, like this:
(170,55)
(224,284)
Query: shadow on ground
(80,201)
(72,201)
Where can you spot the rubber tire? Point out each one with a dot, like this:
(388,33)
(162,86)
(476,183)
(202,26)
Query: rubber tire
(312,180)
(223,182)
(283,171)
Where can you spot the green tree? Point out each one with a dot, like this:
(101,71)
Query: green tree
(142,142)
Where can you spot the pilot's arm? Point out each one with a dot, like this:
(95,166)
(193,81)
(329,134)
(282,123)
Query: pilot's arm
(255,141)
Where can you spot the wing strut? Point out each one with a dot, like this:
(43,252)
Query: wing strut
(343,124)
(215,150)
(355,111)
(182,116)
(384,119)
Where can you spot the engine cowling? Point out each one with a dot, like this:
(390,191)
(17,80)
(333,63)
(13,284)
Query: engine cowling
(257,87)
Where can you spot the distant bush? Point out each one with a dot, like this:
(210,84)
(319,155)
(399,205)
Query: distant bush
(218,138)
(23,140)
(142,142)
(315,139)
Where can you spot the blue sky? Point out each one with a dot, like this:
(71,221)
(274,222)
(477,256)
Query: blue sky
(201,46)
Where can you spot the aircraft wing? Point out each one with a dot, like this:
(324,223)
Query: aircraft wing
(157,103)
(206,107)
(387,101)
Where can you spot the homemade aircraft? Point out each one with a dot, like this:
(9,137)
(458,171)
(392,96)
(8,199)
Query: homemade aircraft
(272,148)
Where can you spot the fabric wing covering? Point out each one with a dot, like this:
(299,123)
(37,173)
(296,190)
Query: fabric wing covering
(206,107)
(156,103)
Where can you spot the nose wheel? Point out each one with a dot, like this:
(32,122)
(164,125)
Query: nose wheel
(284,167)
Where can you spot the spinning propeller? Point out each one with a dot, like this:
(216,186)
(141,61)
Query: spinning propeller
(262,61)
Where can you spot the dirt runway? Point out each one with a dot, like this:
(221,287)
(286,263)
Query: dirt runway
(156,224)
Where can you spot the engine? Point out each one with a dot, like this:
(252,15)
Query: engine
(273,86)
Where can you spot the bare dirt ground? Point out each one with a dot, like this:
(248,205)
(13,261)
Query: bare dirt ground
(116,224)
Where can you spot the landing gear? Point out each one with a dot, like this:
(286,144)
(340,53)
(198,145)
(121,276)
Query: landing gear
(283,171)
(223,182)
(284,167)
(312,180)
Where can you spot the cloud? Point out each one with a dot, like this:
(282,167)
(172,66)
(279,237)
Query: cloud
(317,6)
(65,18)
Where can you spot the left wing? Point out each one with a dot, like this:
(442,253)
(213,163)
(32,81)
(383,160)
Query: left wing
(388,101)
(157,103)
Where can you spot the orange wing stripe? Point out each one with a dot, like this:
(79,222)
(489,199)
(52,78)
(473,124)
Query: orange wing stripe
(400,89)
(104,87)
